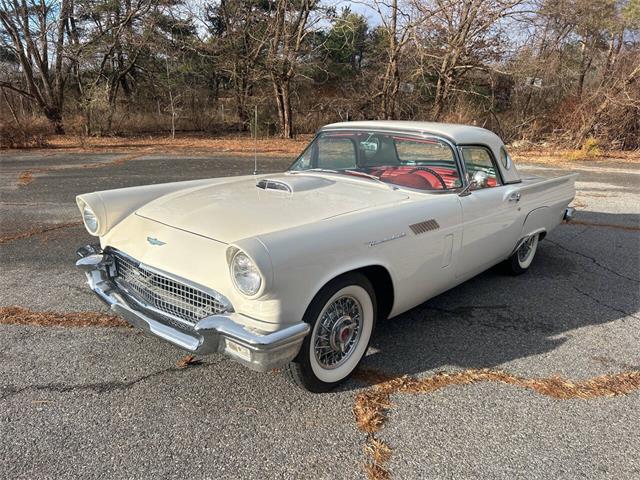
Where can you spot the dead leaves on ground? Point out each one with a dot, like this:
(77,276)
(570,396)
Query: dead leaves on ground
(188,361)
(372,405)
(15,315)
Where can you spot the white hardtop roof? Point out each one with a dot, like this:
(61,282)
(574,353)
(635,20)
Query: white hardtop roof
(456,132)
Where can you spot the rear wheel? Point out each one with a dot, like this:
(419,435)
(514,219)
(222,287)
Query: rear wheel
(342,318)
(519,262)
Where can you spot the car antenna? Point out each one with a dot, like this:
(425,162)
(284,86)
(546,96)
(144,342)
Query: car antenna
(255,141)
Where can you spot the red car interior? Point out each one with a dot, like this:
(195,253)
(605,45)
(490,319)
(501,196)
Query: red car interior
(385,164)
(417,177)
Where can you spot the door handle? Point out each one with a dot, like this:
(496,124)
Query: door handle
(514,197)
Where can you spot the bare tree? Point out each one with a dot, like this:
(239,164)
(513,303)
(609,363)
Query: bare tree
(288,27)
(458,37)
(238,27)
(34,31)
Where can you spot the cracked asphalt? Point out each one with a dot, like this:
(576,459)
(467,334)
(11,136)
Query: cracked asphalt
(109,402)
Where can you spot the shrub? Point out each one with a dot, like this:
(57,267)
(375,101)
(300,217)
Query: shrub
(29,133)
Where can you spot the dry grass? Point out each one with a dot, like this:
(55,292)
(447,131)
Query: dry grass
(192,144)
(36,231)
(372,405)
(30,133)
(15,315)
(378,454)
(566,158)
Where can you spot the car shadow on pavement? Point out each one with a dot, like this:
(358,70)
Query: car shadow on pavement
(583,275)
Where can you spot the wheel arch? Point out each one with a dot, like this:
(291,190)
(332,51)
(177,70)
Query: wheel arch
(382,283)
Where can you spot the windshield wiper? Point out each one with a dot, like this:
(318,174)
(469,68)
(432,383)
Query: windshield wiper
(325,170)
(356,173)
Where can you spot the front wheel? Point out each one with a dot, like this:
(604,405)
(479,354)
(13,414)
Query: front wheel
(519,262)
(342,318)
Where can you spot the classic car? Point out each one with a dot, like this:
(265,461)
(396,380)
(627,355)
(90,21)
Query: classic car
(293,270)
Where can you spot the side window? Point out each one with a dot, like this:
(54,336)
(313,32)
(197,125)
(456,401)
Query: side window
(434,155)
(479,159)
(336,153)
(505,158)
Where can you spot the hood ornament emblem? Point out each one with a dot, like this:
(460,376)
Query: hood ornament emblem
(155,241)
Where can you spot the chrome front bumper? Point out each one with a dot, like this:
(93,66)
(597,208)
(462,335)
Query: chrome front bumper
(223,333)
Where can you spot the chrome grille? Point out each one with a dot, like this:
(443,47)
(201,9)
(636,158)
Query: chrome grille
(166,295)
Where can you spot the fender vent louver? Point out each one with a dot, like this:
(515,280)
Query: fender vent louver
(267,184)
(423,227)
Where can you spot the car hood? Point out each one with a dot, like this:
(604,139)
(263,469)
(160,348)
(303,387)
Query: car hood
(240,209)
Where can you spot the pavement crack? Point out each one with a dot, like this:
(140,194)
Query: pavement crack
(14,315)
(629,228)
(98,387)
(36,231)
(372,406)
(600,302)
(594,260)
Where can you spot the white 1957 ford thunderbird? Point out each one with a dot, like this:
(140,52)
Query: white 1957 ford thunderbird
(294,269)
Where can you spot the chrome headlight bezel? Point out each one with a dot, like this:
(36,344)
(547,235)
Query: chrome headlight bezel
(245,274)
(89,218)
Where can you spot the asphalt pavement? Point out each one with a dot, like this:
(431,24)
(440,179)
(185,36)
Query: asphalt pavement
(109,402)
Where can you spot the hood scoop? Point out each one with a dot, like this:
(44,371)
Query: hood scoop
(291,184)
(270,184)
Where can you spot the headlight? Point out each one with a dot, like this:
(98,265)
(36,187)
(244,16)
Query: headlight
(90,219)
(246,276)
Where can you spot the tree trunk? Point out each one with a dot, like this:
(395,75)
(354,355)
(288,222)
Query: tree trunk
(54,116)
(241,93)
(287,128)
(282,92)
(391,79)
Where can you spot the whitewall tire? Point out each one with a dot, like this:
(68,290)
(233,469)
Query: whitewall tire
(342,318)
(522,258)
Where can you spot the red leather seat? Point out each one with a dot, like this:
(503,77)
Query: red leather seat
(410,180)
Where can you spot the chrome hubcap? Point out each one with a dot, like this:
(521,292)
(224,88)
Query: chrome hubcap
(525,249)
(338,332)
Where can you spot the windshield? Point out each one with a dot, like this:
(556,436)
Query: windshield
(423,163)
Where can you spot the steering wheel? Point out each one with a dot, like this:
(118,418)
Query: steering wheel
(432,172)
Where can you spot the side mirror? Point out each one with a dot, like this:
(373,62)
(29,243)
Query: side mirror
(479,180)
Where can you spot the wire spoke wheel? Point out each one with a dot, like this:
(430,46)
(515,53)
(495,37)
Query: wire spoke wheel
(526,249)
(342,316)
(338,333)
(521,259)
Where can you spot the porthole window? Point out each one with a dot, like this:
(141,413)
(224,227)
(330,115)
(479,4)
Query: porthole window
(505,159)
